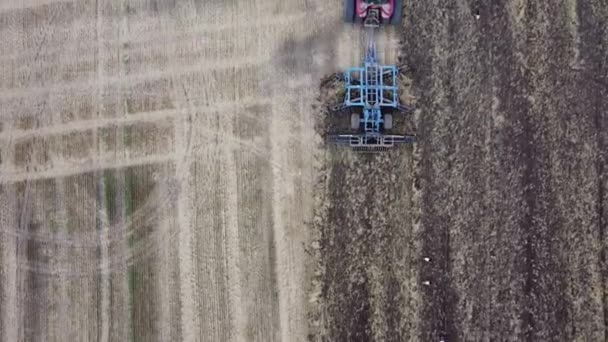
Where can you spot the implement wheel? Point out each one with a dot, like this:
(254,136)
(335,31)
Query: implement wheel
(355,122)
(396,18)
(388,121)
(349,11)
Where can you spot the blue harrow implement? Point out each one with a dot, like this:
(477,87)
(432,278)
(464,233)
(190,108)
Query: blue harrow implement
(371,96)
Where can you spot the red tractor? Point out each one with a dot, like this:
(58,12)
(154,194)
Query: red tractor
(373,13)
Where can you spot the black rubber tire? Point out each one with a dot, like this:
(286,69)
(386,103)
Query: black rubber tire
(355,121)
(349,11)
(388,121)
(397,13)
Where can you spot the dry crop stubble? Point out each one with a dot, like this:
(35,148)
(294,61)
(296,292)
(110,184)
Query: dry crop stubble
(178,157)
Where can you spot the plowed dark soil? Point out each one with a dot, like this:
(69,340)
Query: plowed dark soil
(505,193)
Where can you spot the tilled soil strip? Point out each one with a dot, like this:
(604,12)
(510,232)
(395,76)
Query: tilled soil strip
(511,175)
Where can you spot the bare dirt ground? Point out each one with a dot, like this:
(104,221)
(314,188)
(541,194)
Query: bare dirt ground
(157,162)
(504,192)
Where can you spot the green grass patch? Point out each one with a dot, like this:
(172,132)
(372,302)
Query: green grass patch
(109,179)
(131,279)
(54,226)
(138,183)
(133,183)
(128,136)
(130,194)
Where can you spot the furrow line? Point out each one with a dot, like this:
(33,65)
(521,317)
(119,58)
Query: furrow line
(79,86)
(62,253)
(103,262)
(232,216)
(197,26)
(8,269)
(7,6)
(14,135)
(80,168)
(102,221)
(149,36)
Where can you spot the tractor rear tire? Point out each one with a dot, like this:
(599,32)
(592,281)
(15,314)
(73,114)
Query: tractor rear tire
(388,121)
(349,11)
(397,11)
(355,122)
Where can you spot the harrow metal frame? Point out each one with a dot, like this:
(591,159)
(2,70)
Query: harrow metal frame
(373,90)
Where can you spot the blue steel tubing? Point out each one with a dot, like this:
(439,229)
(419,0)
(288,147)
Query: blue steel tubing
(371,89)
(366,88)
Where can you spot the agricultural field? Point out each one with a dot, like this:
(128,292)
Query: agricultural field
(156,166)
(504,192)
(163,174)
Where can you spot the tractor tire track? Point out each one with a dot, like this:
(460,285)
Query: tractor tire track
(62,226)
(8,269)
(103,285)
(31,287)
(219,287)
